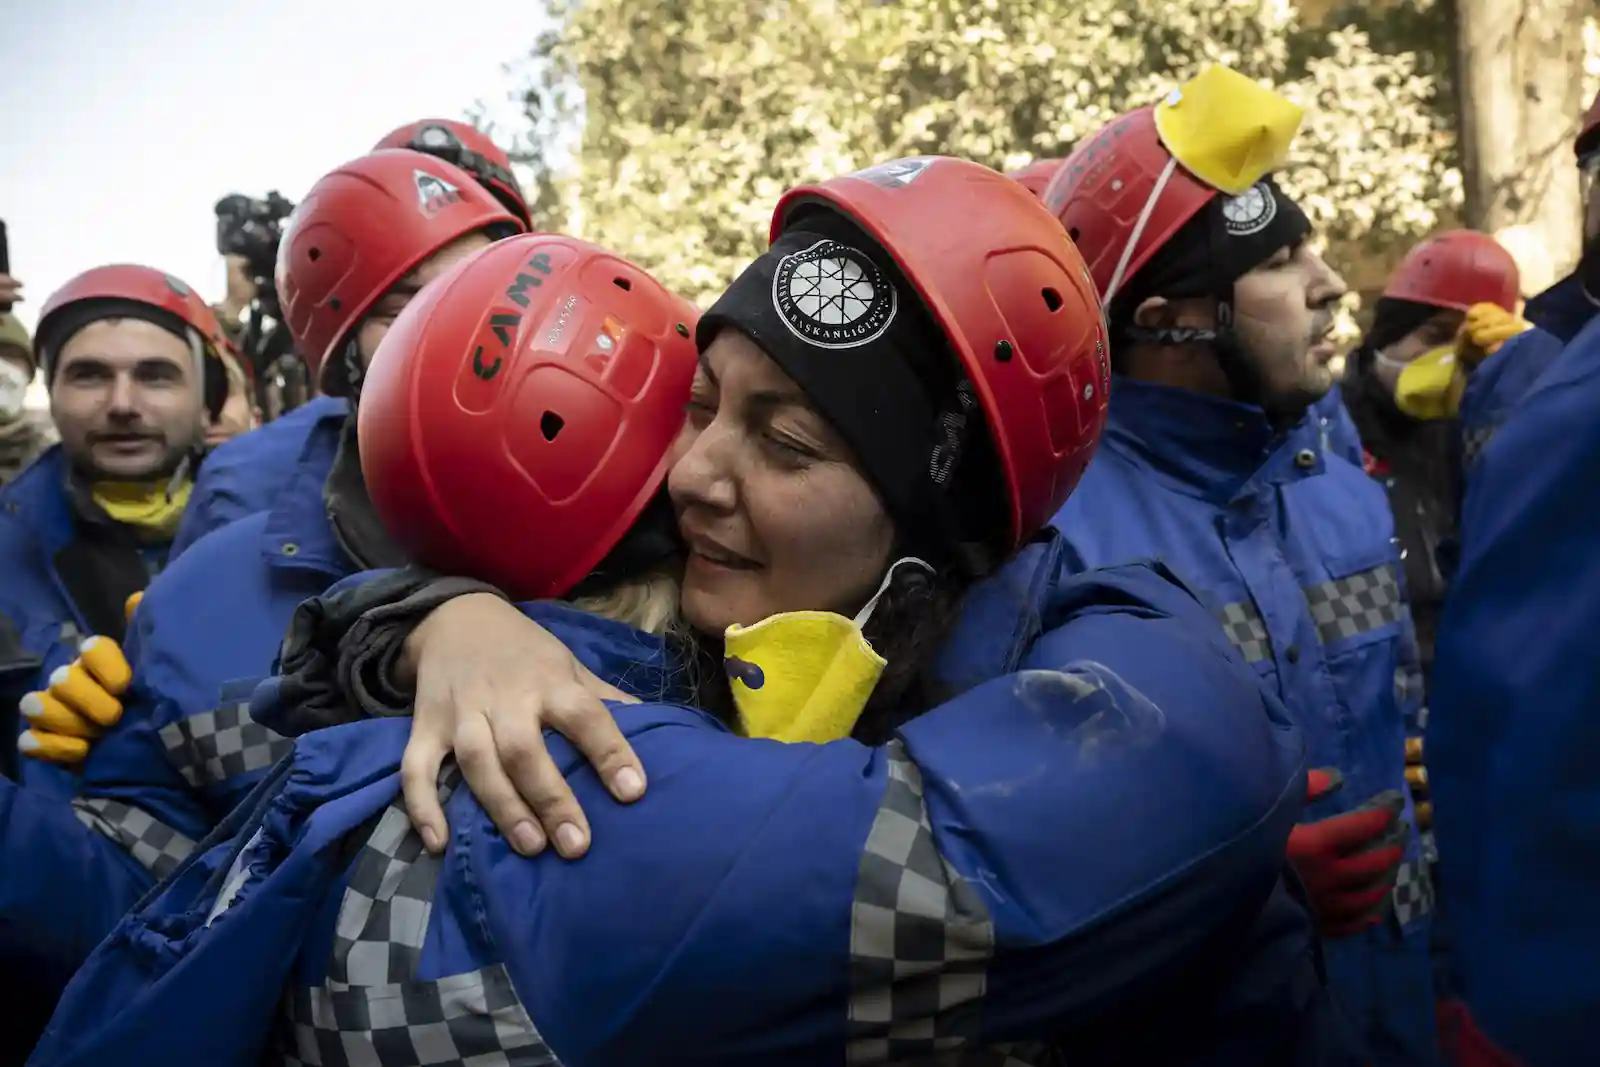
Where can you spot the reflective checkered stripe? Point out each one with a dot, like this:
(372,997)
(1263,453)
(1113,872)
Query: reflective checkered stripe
(1341,608)
(1473,442)
(1356,604)
(214,746)
(373,1011)
(1246,630)
(154,845)
(1413,891)
(920,938)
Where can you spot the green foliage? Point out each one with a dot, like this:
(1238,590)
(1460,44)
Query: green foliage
(698,114)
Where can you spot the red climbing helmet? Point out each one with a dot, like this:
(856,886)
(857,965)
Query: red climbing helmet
(468,148)
(1457,270)
(1036,175)
(1013,297)
(517,417)
(359,230)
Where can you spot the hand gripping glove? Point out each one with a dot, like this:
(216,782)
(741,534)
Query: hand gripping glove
(1349,862)
(80,703)
(1485,328)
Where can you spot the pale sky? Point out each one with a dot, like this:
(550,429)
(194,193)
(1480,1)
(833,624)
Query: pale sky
(124,121)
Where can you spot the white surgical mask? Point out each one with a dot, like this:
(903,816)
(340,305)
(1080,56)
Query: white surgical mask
(14,382)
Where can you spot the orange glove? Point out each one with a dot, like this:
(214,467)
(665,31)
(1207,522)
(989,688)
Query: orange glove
(79,705)
(1349,862)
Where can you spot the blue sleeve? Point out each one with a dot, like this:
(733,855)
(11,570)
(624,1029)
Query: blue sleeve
(972,879)
(63,885)
(1513,737)
(1497,387)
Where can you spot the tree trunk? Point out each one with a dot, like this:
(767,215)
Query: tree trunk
(1519,84)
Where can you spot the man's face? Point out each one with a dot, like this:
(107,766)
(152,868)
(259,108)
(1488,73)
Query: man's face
(126,400)
(376,325)
(1283,311)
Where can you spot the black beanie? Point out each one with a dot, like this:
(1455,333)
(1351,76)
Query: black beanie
(834,311)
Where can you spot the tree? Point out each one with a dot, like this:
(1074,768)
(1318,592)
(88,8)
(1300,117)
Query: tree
(1521,91)
(698,114)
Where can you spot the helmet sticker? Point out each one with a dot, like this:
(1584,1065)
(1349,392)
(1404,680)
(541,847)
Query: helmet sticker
(435,138)
(897,173)
(1249,212)
(176,286)
(832,296)
(433,192)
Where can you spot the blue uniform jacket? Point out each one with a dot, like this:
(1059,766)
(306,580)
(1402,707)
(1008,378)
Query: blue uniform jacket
(245,475)
(185,750)
(1562,310)
(1512,751)
(1292,548)
(1079,848)
(37,522)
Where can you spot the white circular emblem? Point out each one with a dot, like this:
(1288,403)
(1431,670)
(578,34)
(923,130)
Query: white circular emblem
(832,296)
(1250,211)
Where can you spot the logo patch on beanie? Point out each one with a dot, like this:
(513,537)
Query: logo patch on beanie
(1250,212)
(433,192)
(832,296)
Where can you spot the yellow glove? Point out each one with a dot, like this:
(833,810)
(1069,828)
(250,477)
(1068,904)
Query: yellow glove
(80,703)
(1417,777)
(1485,328)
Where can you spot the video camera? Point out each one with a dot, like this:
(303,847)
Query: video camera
(252,228)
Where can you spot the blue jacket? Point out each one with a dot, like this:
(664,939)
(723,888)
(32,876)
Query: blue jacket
(1512,751)
(1339,434)
(185,750)
(1055,852)
(1562,310)
(245,475)
(1498,386)
(1291,546)
(51,593)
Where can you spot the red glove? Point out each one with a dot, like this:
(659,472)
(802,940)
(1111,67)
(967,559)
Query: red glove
(1349,862)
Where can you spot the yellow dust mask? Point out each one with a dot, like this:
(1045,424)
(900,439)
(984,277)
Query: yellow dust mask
(1431,385)
(805,675)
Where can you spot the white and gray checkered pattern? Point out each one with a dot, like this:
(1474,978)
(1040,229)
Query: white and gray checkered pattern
(1355,604)
(154,845)
(1246,630)
(214,746)
(1413,891)
(373,1011)
(920,938)
(467,1020)
(1473,442)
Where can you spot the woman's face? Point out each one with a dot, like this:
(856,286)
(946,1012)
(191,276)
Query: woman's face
(776,515)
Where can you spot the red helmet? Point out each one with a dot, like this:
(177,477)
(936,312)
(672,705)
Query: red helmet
(1036,175)
(1015,300)
(1100,193)
(517,417)
(126,282)
(1589,132)
(468,148)
(359,230)
(1457,270)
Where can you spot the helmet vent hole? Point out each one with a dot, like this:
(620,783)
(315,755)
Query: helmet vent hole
(1072,232)
(314,254)
(622,283)
(1002,351)
(1052,299)
(335,303)
(550,424)
(683,331)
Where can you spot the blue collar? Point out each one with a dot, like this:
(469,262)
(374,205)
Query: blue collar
(1208,447)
